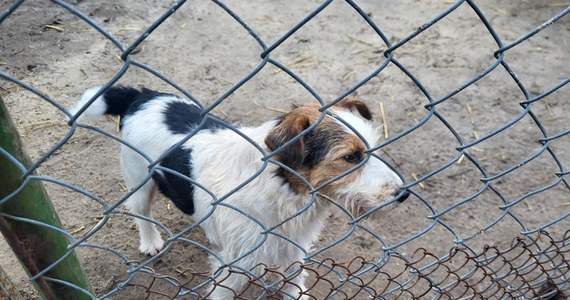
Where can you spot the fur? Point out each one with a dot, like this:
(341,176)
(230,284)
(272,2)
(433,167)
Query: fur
(219,159)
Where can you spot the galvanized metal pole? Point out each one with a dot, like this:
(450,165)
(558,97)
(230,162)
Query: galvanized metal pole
(36,246)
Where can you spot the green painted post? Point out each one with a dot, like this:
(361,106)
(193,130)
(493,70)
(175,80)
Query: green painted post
(35,246)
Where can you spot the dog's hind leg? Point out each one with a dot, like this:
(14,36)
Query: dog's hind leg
(134,172)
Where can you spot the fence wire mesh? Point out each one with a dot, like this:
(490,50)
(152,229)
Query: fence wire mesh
(450,253)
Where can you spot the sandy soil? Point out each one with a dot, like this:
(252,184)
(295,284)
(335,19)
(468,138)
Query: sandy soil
(205,51)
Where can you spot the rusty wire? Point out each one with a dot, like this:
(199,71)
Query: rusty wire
(525,270)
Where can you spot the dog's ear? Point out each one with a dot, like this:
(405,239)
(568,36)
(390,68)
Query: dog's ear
(359,106)
(289,127)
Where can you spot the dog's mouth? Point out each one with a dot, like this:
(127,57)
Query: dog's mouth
(359,206)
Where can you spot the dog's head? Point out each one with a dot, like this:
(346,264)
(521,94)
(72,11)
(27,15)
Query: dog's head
(332,148)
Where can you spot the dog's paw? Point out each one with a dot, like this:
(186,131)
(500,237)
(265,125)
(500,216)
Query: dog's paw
(151,247)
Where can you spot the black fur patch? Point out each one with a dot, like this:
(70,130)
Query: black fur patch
(178,189)
(144,96)
(124,101)
(319,143)
(120,99)
(181,117)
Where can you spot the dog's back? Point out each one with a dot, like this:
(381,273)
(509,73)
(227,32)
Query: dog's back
(162,120)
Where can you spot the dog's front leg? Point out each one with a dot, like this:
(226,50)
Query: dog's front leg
(228,284)
(295,285)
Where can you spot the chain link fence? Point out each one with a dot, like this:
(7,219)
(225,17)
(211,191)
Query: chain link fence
(506,238)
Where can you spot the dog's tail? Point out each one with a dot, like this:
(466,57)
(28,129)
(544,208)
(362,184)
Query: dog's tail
(114,101)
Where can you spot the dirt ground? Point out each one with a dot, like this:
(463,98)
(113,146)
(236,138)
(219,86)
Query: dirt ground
(205,51)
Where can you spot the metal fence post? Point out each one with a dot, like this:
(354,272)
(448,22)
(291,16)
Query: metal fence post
(36,247)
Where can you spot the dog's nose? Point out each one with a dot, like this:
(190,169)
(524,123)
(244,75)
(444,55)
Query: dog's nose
(404,194)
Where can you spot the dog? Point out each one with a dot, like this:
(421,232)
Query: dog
(259,201)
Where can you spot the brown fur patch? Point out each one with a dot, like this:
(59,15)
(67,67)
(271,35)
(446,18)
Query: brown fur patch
(355,105)
(324,153)
(319,155)
(288,128)
(325,149)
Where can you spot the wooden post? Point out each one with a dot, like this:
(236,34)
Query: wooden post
(35,246)
(8,290)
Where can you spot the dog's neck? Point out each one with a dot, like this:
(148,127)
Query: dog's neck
(264,188)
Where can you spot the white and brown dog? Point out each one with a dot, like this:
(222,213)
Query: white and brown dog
(278,196)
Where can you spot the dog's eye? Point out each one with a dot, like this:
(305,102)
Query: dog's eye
(353,158)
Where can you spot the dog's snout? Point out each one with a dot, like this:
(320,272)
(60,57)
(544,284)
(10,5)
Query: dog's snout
(403,195)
